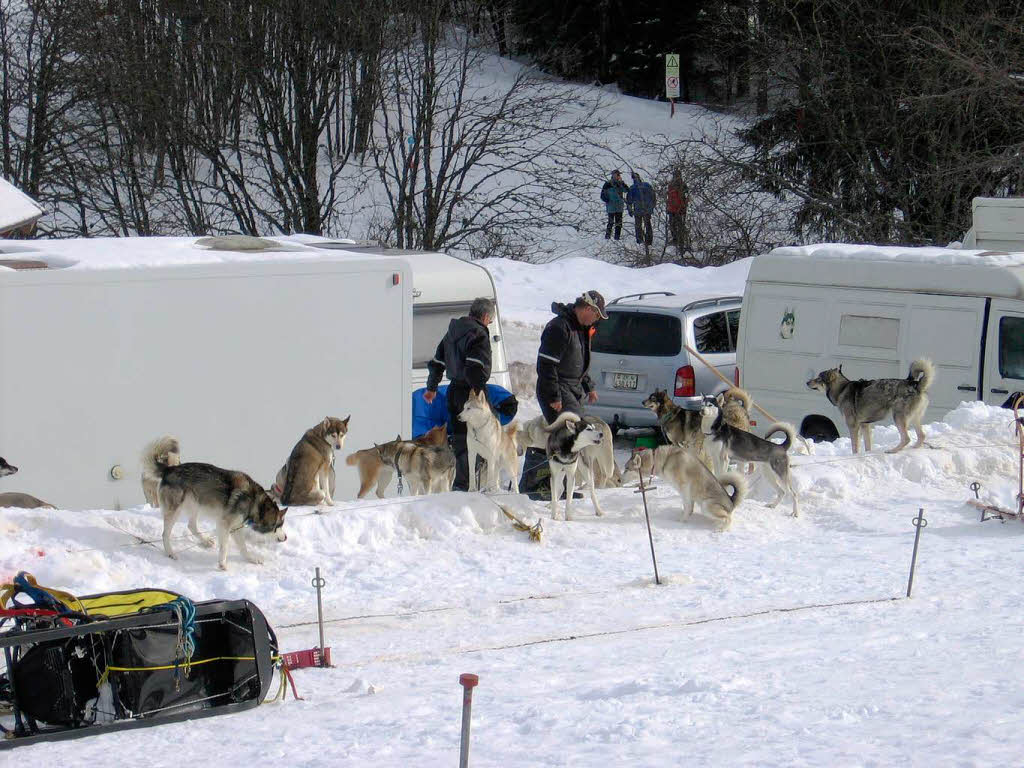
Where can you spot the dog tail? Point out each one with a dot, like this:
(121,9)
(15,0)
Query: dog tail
(787,429)
(739,394)
(562,418)
(922,372)
(512,429)
(353,458)
(738,485)
(155,455)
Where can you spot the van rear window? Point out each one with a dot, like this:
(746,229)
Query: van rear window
(638,333)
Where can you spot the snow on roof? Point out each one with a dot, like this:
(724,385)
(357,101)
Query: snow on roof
(17,209)
(952,271)
(437,277)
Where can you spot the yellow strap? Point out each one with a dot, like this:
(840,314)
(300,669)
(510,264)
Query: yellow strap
(275,659)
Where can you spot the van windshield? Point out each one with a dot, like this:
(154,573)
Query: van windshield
(638,333)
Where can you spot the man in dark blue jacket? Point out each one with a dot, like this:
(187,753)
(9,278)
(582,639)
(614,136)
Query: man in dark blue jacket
(564,356)
(465,352)
(640,200)
(562,380)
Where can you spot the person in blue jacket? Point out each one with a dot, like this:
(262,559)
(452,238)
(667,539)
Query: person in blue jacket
(640,201)
(613,193)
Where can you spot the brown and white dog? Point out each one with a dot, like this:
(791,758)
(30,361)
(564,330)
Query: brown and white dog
(308,475)
(374,471)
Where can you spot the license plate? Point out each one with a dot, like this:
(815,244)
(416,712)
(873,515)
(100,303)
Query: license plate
(624,381)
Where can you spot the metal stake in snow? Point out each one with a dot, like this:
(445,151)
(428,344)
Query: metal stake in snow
(650,536)
(319,583)
(919,523)
(468,683)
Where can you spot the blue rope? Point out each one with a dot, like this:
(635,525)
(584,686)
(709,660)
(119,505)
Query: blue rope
(185,612)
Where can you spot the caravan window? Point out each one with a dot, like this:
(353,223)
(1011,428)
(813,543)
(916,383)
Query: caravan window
(429,325)
(1011,347)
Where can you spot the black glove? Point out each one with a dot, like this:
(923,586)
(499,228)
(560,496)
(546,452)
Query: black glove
(508,407)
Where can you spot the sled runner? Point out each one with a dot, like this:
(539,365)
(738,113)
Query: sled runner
(80,666)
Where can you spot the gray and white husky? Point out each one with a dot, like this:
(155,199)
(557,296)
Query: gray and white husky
(427,468)
(598,460)
(19,500)
(697,485)
(568,437)
(728,441)
(232,499)
(485,437)
(866,401)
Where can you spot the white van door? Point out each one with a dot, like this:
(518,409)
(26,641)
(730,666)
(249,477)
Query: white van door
(1004,351)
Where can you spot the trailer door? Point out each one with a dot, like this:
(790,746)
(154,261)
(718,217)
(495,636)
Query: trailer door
(1004,364)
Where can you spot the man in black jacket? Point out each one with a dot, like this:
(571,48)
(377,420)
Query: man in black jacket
(562,380)
(465,351)
(564,356)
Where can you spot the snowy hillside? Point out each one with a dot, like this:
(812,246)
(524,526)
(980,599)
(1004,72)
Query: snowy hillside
(779,642)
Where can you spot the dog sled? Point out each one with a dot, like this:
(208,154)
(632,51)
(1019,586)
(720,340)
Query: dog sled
(76,666)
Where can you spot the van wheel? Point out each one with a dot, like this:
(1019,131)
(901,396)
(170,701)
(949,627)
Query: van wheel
(820,429)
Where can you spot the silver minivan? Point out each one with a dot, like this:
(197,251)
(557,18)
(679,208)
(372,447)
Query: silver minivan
(640,348)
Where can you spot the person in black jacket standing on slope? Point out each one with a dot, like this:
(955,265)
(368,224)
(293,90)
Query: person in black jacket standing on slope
(465,351)
(562,364)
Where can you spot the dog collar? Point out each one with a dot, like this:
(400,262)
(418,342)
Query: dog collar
(563,463)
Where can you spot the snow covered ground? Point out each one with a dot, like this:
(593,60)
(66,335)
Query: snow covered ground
(779,642)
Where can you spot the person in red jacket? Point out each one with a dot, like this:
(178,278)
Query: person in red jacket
(675,204)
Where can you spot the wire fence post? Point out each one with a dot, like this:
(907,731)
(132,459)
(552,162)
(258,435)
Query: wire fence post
(650,536)
(919,523)
(319,582)
(468,682)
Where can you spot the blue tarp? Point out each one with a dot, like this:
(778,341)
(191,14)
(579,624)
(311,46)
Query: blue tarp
(426,416)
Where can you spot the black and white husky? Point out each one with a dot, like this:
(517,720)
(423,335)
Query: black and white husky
(728,441)
(568,436)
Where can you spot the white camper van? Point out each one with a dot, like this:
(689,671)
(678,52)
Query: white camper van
(875,310)
(108,343)
(444,286)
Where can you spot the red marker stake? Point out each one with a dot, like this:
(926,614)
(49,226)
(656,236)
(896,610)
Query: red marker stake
(468,683)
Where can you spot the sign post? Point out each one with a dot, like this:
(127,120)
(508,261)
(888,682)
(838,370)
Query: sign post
(672,80)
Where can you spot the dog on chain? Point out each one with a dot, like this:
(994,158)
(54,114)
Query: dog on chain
(598,458)
(374,471)
(680,425)
(428,468)
(697,485)
(307,478)
(232,499)
(19,500)
(485,437)
(865,401)
(568,437)
(728,441)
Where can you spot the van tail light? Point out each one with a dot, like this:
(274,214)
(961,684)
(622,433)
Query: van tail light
(686,386)
(736,376)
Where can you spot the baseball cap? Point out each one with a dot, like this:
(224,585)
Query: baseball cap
(595,300)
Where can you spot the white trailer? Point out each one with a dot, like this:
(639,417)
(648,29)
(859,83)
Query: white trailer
(114,342)
(875,310)
(444,286)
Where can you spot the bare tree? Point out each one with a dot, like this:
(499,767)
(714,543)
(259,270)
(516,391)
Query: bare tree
(474,153)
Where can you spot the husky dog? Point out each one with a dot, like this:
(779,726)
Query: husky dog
(866,401)
(599,458)
(728,441)
(373,470)
(640,463)
(233,499)
(735,405)
(309,471)
(20,500)
(681,427)
(697,485)
(428,468)
(485,437)
(167,452)
(568,437)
